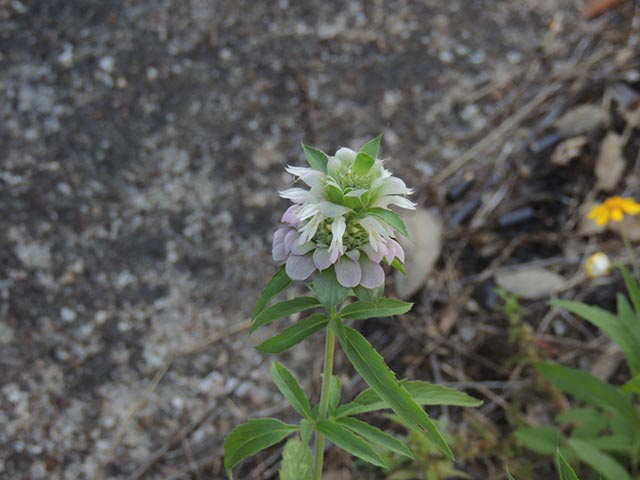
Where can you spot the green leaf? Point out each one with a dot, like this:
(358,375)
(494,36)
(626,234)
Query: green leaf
(370,365)
(369,294)
(335,390)
(334,193)
(278,282)
(252,437)
(611,325)
(317,158)
(632,386)
(588,388)
(423,393)
(350,442)
(306,429)
(542,440)
(362,163)
(294,334)
(398,265)
(372,147)
(588,422)
(509,476)
(327,289)
(291,389)
(384,307)
(390,218)
(283,309)
(601,462)
(297,462)
(628,317)
(376,436)
(611,443)
(564,469)
(632,288)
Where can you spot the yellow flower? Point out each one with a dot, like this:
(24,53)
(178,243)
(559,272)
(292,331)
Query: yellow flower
(613,209)
(598,265)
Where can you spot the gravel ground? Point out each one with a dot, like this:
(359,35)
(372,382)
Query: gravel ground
(142,144)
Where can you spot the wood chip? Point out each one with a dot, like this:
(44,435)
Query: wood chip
(568,150)
(422,249)
(529,283)
(582,120)
(610,163)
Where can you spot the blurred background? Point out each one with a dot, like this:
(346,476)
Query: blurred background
(142,145)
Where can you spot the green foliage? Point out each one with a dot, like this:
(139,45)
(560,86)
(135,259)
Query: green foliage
(350,442)
(390,218)
(372,147)
(294,334)
(278,283)
(291,390)
(252,437)
(370,365)
(384,307)
(317,158)
(604,434)
(283,309)
(327,289)
(368,294)
(362,163)
(376,436)
(297,463)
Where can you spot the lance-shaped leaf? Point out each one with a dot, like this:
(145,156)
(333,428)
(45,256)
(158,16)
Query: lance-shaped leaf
(291,389)
(634,290)
(384,307)
(252,437)
(543,440)
(588,388)
(601,462)
(317,158)
(564,469)
(283,309)
(278,282)
(376,436)
(372,147)
(625,338)
(294,334)
(350,442)
(390,218)
(335,391)
(423,393)
(372,368)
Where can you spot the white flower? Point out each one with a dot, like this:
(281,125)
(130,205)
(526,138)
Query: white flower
(332,225)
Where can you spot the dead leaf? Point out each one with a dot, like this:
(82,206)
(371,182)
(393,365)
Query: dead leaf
(422,249)
(568,150)
(582,120)
(529,283)
(610,163)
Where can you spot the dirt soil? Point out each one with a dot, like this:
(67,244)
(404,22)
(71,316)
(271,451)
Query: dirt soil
(142,145)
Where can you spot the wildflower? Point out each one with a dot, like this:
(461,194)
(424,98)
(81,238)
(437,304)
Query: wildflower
(343,220)
(613,209)
(598,265)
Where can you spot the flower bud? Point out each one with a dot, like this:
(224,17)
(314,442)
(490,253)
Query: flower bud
(598,265)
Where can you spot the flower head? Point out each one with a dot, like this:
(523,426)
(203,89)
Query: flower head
(613,209)
(598,265)
(343,220)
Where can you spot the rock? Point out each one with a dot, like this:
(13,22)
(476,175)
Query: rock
(529,283)
(422,249)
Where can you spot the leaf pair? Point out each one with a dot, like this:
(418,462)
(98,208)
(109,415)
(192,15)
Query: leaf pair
(364,160)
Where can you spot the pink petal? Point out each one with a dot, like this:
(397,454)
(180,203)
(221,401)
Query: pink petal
(348,272)
(289,216)
(289,239)
(372,273)
(278,252)
(395,251)
(299,267)
(372,254)
(279,234)
(298,249)
(321,258)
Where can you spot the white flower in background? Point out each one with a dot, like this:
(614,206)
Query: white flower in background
(343,220)
(598,265)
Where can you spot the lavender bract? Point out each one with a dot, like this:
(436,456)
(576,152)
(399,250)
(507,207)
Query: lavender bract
(342,221)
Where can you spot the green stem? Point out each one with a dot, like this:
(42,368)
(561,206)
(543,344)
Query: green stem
(327,372)
(632,254)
